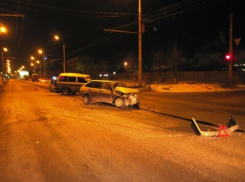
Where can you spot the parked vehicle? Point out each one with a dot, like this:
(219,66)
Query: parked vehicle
(71,82)
(112,92)
(52,86)
(35,77)
(27,78)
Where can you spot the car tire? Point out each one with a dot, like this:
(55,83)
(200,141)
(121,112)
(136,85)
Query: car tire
(66,91)
(86,99)
(119,102)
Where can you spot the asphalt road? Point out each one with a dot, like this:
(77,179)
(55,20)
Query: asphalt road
(45,136)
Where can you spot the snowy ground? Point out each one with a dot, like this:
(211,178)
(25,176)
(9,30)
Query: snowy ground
(186,87)
(197,87)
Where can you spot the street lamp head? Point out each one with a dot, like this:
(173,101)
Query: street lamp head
(3,29)
(40,51)
(38,62)
(5,49)
(32,58)
(56,37)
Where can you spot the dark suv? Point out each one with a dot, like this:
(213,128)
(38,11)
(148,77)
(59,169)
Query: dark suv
(112,92)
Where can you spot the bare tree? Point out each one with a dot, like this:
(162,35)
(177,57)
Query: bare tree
(159,61)
(174,56)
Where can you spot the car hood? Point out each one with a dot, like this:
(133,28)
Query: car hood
(126,90)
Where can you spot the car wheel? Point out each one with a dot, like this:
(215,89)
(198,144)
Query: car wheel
(119,102)
(86,99)
(66,91)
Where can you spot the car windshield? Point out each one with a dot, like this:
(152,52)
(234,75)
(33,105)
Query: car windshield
(119,84)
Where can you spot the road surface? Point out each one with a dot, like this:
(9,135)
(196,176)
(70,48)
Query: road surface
(46,136)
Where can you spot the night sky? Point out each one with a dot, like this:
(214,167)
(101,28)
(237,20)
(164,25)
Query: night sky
(81,24)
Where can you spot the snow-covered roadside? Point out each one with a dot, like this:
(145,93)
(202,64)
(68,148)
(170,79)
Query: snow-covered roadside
(197,87)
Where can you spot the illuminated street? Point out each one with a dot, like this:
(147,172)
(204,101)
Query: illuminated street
(46,136)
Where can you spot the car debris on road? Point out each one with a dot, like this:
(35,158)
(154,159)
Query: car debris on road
(232,126)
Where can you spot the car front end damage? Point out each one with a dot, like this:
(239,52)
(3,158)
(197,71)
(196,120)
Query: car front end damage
(131,100)
(129,95)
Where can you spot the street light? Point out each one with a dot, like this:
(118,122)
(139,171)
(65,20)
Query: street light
(3,29)
(41,52)
(33,64)
(3,50)
(8,66)
(64,64)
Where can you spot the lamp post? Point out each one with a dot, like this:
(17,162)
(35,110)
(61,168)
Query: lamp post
(41,52)
(64,64)
(231,50)
(3,50)
(140,45)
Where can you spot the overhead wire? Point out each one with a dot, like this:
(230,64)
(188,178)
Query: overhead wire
(86,13)
(152,19)
(107,39)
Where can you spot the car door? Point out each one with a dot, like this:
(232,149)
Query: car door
(93,90)
(105,93)
(71,83)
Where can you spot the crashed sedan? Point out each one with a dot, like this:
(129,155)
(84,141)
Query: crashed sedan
(113,92)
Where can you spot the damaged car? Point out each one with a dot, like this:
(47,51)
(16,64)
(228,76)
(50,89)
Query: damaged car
(113,92)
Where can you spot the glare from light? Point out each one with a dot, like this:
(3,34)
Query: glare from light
(3,29)
(228,56)
(40,51)
(56,37)
(23,73)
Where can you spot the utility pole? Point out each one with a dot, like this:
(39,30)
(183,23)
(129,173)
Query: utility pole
(44,66)
(116,70)
(140,43)
(231,50)
(64,56)
(140,46)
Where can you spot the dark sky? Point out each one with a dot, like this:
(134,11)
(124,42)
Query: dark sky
(80,23)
